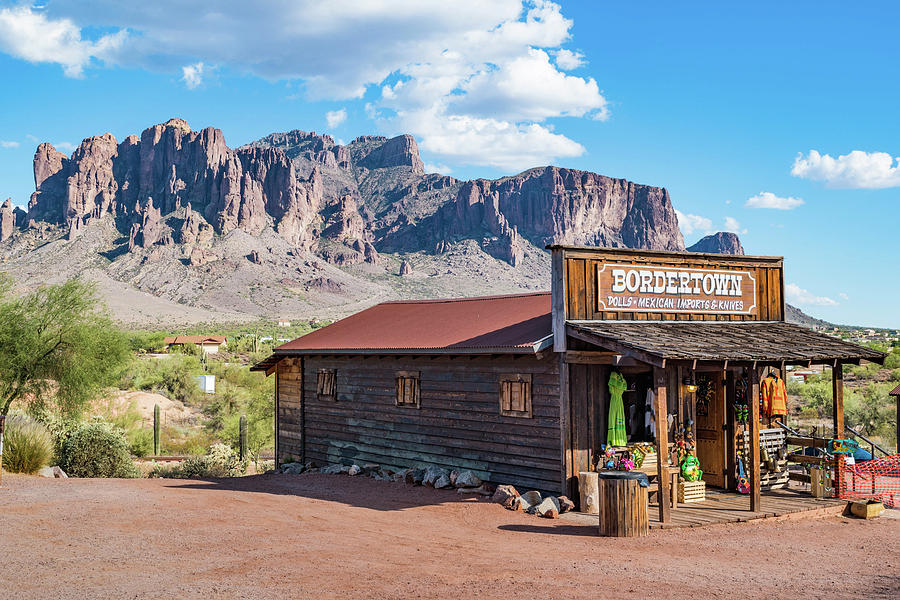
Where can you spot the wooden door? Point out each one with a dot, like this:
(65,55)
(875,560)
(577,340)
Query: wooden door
(710,434)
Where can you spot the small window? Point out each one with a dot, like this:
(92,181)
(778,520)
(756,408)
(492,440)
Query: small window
(325,384)
(515,395)
(408,389)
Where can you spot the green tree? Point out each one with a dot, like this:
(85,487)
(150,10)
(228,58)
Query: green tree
(56,348)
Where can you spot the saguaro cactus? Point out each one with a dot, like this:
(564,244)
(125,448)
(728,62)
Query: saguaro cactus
(243,433)
(156,430)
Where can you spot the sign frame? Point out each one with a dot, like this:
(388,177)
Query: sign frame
(602,295)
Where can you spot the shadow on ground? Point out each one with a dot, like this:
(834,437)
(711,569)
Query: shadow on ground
(359,491)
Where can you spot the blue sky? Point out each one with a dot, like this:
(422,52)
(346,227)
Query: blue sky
(719,104)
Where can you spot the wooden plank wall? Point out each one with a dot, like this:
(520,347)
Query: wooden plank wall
(458,423)
(289,408)
(589,410)
(581,285)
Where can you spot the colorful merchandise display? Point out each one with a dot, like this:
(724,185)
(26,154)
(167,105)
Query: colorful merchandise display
(616,434)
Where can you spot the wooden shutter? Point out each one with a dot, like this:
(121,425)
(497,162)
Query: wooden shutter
(515,395)
(408,388)
(325,383)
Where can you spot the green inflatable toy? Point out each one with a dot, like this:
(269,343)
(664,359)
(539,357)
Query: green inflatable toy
(690,468)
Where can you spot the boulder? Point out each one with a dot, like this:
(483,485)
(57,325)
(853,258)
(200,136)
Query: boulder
(505,495)
(453,475)
(483,490)
(565,505)
(443,482)
(46,472)
(521,503)
(332,469)
(548,508)
(533,497)
(432,474)
(354,470)
(418,476)
(292,468)
(467,479)
(370,468)
(59,473)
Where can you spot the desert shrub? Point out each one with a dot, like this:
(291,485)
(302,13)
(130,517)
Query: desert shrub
(140,442)
(98,450)
(61,429)
(219,461)
(893,360)
(27,445)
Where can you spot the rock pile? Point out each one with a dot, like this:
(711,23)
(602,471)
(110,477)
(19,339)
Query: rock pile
(549,507)
(465,482)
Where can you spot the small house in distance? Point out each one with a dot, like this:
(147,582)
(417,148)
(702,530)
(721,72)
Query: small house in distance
(209,344)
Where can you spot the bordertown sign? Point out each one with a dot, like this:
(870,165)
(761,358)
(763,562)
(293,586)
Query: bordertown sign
(649,288)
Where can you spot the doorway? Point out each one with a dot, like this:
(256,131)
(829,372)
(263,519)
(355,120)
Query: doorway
(711,428)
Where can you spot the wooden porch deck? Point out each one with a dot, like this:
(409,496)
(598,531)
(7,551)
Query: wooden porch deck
(729,507)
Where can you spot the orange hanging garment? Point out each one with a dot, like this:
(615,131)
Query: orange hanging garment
(774,396)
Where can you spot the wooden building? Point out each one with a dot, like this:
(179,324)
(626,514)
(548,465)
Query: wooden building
(515,388)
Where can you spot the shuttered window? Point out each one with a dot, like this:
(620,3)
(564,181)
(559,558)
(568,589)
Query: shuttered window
(408,389)
(515,395)
(325,384)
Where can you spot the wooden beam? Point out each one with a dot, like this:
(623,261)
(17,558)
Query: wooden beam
(583,357)
(837,394)
(662,443)
(616,347)
(565,462)
(754,440)
(558,298)
(806,442)
(808,460)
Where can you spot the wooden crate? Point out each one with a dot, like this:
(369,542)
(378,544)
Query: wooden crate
(691,491)
(867,509)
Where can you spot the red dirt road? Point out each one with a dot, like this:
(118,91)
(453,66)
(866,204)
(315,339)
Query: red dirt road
(331,536)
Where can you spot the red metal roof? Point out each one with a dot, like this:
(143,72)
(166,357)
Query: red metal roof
(195,339)
(895,391)
(511,323)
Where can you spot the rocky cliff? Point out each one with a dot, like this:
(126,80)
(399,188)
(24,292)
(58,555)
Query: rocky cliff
(172,208)
(724,242)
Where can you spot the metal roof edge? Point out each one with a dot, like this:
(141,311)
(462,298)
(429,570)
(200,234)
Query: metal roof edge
(633,251)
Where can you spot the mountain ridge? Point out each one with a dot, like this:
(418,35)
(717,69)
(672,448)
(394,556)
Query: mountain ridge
(297,224)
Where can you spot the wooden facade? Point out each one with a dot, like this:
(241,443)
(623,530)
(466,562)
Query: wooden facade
(457,425)
(518,405)
(579,275)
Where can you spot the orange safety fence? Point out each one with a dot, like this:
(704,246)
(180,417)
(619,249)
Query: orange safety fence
(877,479)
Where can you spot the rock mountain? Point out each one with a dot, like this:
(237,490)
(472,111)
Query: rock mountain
(176,226)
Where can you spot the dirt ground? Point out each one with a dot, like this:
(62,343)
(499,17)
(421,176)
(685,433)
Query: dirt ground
(330,536)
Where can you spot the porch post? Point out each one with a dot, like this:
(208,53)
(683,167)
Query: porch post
(754,439)
(662,443)
(837,392)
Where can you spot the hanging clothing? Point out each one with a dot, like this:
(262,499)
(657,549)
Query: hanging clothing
(650,421)
(616,434)
(774,396)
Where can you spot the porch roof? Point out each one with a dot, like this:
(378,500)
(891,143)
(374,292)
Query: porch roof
(735,341)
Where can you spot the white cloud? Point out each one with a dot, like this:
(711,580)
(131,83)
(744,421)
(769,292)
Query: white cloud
(690,224)
(473,80)
(336,117)
(844,296)
(192,75)
(733,225)
(770,200)
(8,144)
(65,146)
(437,168)
(858,169)
(28,34)
(568,60)
(798,295)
